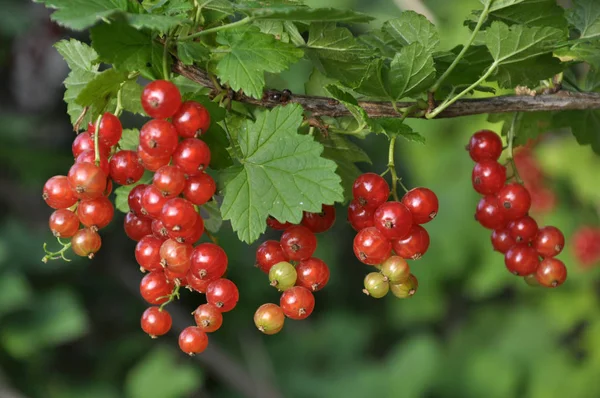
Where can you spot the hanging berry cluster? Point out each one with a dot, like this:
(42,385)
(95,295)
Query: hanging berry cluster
(292,269)
(163,216)
(504,209)
(384,226)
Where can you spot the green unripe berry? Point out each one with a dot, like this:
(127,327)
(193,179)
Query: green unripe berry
(406,289)
(376,285)
(283,275)
(395,269)
(531,280)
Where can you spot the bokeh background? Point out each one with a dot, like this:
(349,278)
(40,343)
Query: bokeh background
(71,330)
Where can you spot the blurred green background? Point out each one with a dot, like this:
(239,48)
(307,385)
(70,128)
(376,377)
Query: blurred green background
(472,330)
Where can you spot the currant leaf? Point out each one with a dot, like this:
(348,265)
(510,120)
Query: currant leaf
(282,174)
(411,72)
(190,52)
(306,14)
(212,216)
(131,92)
(130,139)
(101,88)
(410,28)
(584,15)
(526,12)
(81,14)
(121,193)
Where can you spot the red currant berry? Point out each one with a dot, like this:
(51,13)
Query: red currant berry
(197,284)
(90,157)
(84,142)
(159,230)
(223,294)
(178,214)
(370,190)
(87,180)
(161,99)
(276,225)
(191,120)
(298,243)
(150,162)
(110,130)
(176,277)
(156,322)
(109,187)
(549,241)
(268,254)
(488,177)
(95,213)
(208,318)
(175,256)
(190,235)
(192,156)
(521,259)
(551,272)
(313,274)
(414,245)
(125,168)
(422,203)
(376,285)
(395,269)
(502,240)
(319,222)
(86,242)
(515,201)
(134,199)
(170,180)
(360,217)
(586,245)
(192,340)
(269,318)
(58,194)
(393,219)
(63,223)
(489,213)
(199,189)
(523,229)
(283,276)
(297,302)
(136,227)
(155,288)
(158,138)
(485,145)
(371,246)
(152,201)
(208,261)
(147,253)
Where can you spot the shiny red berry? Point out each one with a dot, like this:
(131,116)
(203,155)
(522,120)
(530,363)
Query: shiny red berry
(297,302)
(58,194)
(190,235)
(87,180)
(514,200)
(223,294)
(313,274)
(414,245)
(360,217)
(176,256)
(393,219)
(489,214)
(199,188)
(208,318)
(488,177)
(549,241)
(156,322)
(152,201)
(63,223)
(90,157)
(502,240)
(422,203)
(137,227)
(147,253)
(551,272)
(178,214)
(86,242)
(154,287)
(159,230)
(268,254)
(84,142)
(371,246)
(521,259)
(161,99)
(110,130)
(170,180)
(523,230)
(298,243)
(152,162)
(134,199)
(485,145)
(197,284)
(192,156)
(269,318)
(276,225)
(319,222)
(192,340)
(191,120)
(125,169)
(370,190)
(158,138)
(208,261)
(96,213)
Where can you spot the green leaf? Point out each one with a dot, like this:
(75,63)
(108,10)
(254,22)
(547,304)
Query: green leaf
(528,13)
(131,94)
(122,192)
(587,52)
(500,4)
(216,139)
(411,72)
(189,52)
(584,125)
(396,127)
(529,72)
(528,126)
(130,140)
(103,86)
(161,373)
(410,28)
(15,292)
(81,14)
(359,114)
(518,43)
(248,54)
(282,174)
(160,23)
(584,15)
(212,216)
(294,34)
(316,83)
(305,14)
(80,58)
(274,28)
(223,6)
(475,61)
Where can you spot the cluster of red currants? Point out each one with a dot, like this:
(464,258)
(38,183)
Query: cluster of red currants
(384,226)
(586,246)
(292,269)
(504,208)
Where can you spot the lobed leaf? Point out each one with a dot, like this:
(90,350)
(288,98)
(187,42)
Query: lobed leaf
(410,28)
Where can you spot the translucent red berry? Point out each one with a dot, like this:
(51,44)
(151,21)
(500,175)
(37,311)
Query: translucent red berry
(395,269)
(192,156)
(199,189)
(190,235)
(371,246)
(393,219)
(223,294)
(152,201)
(360,217)
(269,318)
(159,230)
(155,287)
(134,199)
(147,253)
(319,222)
(156,322)
(422,203)
(514,200)
(58,194)
(84,142)
(414,245)
(191,120)
(312,273)
(125,169)
(170,180)
(90,157)
(551,272)
(137,227)
(521,259)
(370,190)
(152,162)
(192,340)
(298,243)
(178,214)
(488,177)
(208,261)
(489,214)
(197,284)
(276,225)
(110,130)
(549,241)
(158,138)
(297,302)
(502,240)
(161,99)
(208,318)
(87,180)
(63,223)
(268,254)
(176,256)
(523,229)
(86,242)
(485,145)
(95,213)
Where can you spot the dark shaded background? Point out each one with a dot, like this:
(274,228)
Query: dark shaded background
(72,329)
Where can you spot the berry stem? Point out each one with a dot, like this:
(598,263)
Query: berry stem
(172,297)
(232,25)
(58,254)
(96,143)
(119,107)
(392,167)
(511,138)
(482,17)
(164,61)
